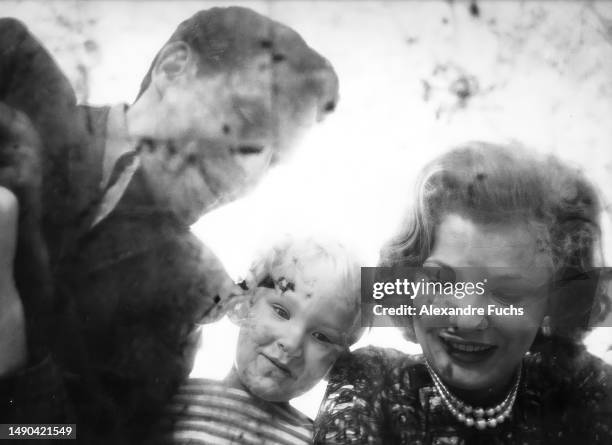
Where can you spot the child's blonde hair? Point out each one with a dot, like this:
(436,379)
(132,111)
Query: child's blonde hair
(299,252)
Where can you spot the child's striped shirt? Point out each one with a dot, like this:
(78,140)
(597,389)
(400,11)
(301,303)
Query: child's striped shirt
(209,412)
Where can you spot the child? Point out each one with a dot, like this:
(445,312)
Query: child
(300,313)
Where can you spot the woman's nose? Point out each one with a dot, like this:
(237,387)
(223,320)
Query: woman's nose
(471,313)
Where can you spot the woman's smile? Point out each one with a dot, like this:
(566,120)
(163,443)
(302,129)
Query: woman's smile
(465,351)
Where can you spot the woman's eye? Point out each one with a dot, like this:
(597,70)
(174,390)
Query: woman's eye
(437,274)
(506,297)
(322,337)
(281,311)
(432,275)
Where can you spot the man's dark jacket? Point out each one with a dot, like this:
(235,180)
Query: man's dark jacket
(119,332)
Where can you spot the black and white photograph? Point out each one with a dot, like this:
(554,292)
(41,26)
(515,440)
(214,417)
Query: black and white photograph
(305,222)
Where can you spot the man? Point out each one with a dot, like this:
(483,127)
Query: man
(225,98)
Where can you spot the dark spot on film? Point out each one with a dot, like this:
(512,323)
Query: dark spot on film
(285,285)
(470,192)
(278,58)
(474,9)
(426,90)
(146,144)
(226,129)
(267,281)
(461,88)
(464,87)
(171,148)
(330,106)
(90,45)
(267,44)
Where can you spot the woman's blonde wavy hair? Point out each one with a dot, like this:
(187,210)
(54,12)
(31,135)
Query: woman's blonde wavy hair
(491,183)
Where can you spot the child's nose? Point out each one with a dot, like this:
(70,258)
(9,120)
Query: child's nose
(291,342)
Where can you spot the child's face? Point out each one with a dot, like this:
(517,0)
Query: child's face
(296,328)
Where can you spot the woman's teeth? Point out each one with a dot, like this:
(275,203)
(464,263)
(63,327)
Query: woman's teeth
(466,347)
(470,347)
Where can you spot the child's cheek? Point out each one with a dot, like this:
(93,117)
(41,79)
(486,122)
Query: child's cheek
(258,331)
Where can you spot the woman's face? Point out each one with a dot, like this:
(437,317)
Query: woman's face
(478,352)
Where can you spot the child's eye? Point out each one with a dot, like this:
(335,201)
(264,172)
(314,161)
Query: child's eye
(437,274)
(281,311)
(322,337)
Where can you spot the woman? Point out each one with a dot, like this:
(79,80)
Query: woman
(527,227)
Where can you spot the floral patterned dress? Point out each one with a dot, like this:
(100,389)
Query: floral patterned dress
(382,396)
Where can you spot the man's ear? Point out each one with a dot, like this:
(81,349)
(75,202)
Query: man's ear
(174,60)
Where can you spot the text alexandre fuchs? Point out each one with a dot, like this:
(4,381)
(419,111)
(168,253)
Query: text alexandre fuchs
(423,288)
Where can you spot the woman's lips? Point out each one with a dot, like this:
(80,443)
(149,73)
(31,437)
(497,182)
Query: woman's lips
(467,351)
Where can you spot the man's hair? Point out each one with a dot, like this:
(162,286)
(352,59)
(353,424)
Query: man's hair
(227,39)
(300,253)
(491,183)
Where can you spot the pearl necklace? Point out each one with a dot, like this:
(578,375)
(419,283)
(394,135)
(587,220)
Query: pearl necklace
(481,418)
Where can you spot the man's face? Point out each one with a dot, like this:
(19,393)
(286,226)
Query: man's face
(225,130)
(296,328)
